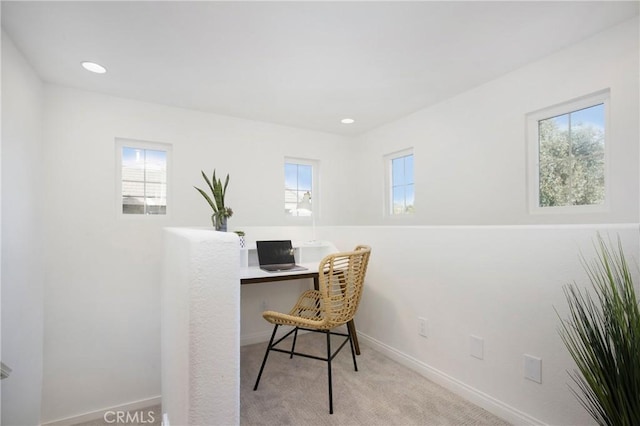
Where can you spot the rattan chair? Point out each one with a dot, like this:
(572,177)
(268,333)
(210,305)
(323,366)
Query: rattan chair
(341,279)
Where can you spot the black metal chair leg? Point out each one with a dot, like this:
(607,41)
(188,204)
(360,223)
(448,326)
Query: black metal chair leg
(293,345)
(266,355)
(353,352)
(329,371)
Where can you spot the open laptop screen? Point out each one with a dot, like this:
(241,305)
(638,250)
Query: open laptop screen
(276,255)
(275,252)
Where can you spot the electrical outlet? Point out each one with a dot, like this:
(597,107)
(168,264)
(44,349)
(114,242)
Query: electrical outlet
(476,347)
(423,327)
(533,368)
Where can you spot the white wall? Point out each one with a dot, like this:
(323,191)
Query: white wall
(22,266)
(470,150)
(103,271)
(500,283)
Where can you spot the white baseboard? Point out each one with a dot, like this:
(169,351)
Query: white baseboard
(251,338)
(481,399)
(99,414)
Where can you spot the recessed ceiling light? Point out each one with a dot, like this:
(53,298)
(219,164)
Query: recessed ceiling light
(347,121)
(93,67)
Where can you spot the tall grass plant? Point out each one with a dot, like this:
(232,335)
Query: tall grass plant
(602,334)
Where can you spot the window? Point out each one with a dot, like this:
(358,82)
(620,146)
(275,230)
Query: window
(400,183)
(299,185)
(567,155)
(143,177)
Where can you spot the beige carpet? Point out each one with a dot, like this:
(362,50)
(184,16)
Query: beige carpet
(381,392)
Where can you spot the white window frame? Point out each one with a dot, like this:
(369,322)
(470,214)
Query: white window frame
(315,187)
(138,144)
(533,153)
(388,191)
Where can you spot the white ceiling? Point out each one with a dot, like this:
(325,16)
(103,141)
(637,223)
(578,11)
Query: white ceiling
(303,64)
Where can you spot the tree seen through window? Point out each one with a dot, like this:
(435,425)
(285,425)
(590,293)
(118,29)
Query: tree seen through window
(572,158)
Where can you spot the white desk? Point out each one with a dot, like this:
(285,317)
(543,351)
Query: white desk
(253,274)
(307,254)
(311,252)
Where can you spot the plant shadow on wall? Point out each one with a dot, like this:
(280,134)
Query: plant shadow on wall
(216,201)
(602,334)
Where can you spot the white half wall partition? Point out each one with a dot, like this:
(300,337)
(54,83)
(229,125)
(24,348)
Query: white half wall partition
(500,284)
(200,327)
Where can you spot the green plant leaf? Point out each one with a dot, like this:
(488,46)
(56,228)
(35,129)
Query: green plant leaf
(206,179)
(206,197)
(217,195)
(602,335)
(224,190)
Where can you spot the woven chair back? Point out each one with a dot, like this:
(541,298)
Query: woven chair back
(341,283)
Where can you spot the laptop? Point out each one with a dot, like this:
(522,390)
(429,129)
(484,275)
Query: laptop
(277,256)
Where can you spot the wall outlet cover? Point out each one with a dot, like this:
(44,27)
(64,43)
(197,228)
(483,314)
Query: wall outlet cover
(423,327)
(533,368)
(476,347)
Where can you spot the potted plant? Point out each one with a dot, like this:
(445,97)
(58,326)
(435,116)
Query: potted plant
(602,335)
(241,237)
(220,212)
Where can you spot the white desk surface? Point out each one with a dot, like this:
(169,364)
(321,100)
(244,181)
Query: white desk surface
(308,254)
(256,272)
